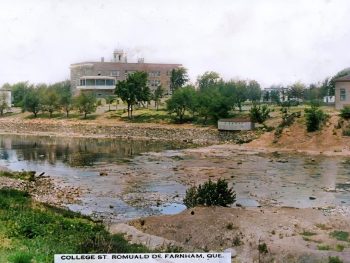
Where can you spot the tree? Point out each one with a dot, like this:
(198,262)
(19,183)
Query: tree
(208,80)
(266,96)
(181,101)
(31,101)
(19,91)
(253,91)
(240,94)
(64,93)
(133,90)
(212,104)
(296,91)
(178,78)
(86,103)
(50,100)
(157,95)
(275,96)
(3,102)
(109,101)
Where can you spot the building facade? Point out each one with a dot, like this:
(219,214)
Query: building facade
(342,92)
(101,77)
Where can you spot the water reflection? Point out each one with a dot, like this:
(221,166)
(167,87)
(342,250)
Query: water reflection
(75,152)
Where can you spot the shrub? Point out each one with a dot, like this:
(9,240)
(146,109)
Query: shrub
(259,113)
(263,248)
(334,260)
(340,235)
(210,194)
(345,112)
(315,117)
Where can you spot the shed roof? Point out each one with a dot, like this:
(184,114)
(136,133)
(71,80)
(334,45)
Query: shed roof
(235,120)
(343,79)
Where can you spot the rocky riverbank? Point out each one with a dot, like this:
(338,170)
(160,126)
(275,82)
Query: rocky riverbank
(117,129)
(43,189)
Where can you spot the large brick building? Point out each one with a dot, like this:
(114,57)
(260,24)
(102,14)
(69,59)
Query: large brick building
(101,77)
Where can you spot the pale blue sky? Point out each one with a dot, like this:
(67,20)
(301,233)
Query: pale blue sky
(271,41)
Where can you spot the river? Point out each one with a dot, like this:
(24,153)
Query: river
(146,177)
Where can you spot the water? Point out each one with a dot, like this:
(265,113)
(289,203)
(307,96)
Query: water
(148,177)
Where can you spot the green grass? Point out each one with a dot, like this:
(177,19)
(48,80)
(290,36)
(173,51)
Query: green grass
(323,247)
(308,233)
(33,231)
(339,247)
(340,235)
(24,175)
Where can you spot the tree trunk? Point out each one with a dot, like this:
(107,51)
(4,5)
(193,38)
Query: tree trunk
(67,113)
(85,115)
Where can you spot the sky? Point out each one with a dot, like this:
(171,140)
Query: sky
(271,41)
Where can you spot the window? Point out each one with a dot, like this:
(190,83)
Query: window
(82,82)
(154,74)
(90,82)
(115,73)
(109,82)
(342,94)
(100,82)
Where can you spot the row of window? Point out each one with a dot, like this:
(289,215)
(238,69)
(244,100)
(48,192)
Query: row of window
(154,82)
(116,73)
(97,82)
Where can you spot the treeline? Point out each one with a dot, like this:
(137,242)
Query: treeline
(50,98)
(214,98)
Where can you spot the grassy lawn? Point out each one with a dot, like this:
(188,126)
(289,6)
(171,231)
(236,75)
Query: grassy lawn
(35,231)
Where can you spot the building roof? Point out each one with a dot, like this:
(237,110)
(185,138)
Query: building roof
(343,79)
(129,66)
(235,120)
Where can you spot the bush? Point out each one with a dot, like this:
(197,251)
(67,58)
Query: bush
(315,117)
(21,257)
(345,112)
(334,260)
(210,194)
(259,113)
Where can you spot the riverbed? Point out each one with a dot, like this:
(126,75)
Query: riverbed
(126,179)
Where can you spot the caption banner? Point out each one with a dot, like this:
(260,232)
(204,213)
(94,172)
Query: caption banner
(145,258)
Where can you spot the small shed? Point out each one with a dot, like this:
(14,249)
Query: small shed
(235,124)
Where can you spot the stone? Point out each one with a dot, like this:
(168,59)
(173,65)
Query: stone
(232,251)
(103,173)
(312,198)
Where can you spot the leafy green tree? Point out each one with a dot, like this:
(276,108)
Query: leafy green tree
(275,97)
(240,94)
(133,90)
(208,80)
(266,96)
(296,91)
(50,100)
(86,103)
(19,91)
(64,92)
(315,117)
(253,91)
(31,101)
(181,101)
(158,94)
(211,104)
(178,78)
(3,103)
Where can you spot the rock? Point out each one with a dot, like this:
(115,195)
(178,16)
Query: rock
(103,173)
(282,161)
(232,251)
(312,198)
